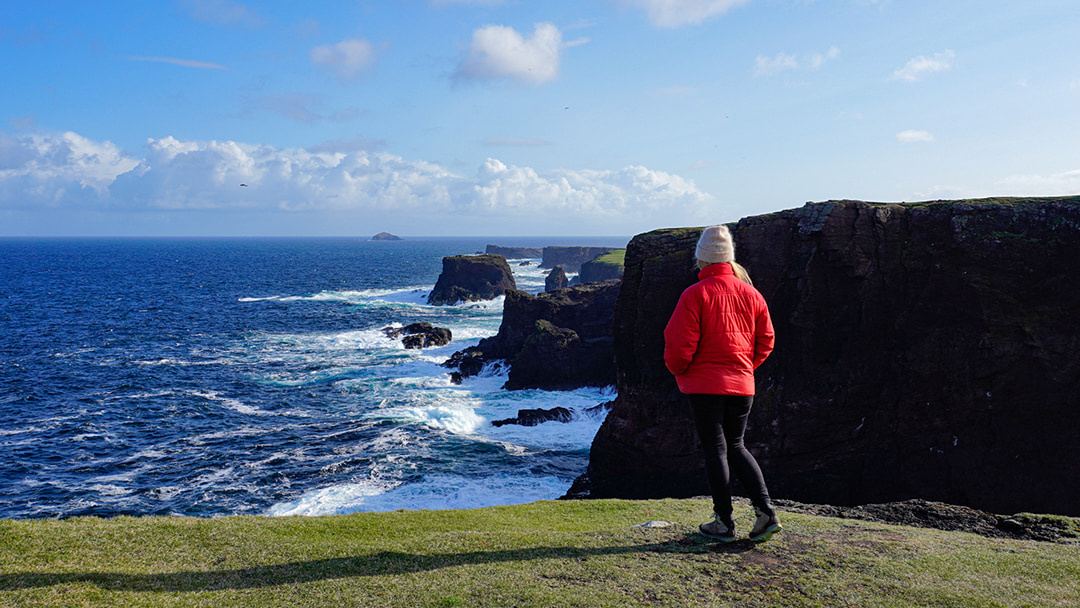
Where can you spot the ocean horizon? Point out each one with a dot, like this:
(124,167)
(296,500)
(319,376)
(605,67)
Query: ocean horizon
(210,376)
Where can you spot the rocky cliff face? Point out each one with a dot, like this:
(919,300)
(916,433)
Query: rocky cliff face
(556,279)
(555,341)
(923,350)
(603,268)
(515,253)
(468,278)
(571,258)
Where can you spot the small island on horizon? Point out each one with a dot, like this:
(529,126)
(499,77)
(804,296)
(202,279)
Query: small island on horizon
(386,236)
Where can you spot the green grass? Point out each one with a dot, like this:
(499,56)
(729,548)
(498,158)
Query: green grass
(574,553)
(614,258)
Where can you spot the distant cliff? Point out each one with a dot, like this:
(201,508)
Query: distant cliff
(923,350)
(603,268)
(515,253)
(571,258)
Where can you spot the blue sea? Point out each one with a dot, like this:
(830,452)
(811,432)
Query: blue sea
(210,377)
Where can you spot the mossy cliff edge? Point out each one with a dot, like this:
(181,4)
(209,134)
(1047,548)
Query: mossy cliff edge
(926,350)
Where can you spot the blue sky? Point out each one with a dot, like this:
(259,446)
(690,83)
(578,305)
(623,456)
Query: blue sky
(520,117)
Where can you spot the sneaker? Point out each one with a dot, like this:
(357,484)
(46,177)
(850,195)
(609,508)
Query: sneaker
(765,526)
(719,528)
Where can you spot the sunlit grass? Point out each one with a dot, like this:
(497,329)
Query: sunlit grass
(562,553)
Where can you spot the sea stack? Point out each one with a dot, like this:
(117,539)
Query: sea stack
(469,278)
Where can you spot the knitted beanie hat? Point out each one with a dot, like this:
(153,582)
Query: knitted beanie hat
(715,246)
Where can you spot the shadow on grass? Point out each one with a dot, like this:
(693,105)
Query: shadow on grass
(386,563)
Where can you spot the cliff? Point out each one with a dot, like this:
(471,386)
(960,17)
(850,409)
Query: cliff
(468,278)
(571,258)
(556,340)
(923,350)
(515,253)
(603,268)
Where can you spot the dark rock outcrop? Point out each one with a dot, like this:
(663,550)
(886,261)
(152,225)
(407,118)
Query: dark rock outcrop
(386,236)
(604,268)
(556,279)
(571,258)
(420,335)
(553,341)
(923,351)
(515,253)
(537,416)
(468,278)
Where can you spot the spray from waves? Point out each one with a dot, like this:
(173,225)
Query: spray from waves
(435,444)
(436,492)
(479,464)
(416,295)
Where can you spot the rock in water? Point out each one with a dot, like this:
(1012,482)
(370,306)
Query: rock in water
(537,416)
(555,341)
(420,335)
(469,278)
(556,279)
(386,236)
(923,350)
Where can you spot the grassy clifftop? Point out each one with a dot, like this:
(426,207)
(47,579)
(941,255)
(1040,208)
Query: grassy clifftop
(587,553)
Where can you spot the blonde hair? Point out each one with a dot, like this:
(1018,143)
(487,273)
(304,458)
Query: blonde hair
(740,272)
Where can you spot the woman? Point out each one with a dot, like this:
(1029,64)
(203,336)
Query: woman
(718,335)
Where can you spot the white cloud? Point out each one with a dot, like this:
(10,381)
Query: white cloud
(922,65)
(814,61)
(187,63)
(498,51)
(676,13)
(58,169)
(68,170)
(630,192)
(347,58)
(1056,184)
(767,66)
(911,136)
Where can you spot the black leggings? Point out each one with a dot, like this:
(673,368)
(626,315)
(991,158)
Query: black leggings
(721,422)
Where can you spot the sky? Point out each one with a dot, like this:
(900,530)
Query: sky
(520,117)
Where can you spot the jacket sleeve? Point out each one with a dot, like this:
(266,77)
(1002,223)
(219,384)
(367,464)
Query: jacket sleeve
(764,336)
(681,336)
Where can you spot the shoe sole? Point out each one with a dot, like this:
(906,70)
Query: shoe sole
(723,539)
(767,534)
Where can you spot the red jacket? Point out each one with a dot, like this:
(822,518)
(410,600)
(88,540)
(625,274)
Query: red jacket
(718,335)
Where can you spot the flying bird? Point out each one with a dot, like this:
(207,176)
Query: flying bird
(244,185)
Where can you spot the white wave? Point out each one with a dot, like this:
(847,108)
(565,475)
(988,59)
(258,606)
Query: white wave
(407,295)
(457,418)
(434,492)
(183,363)
(108,490)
